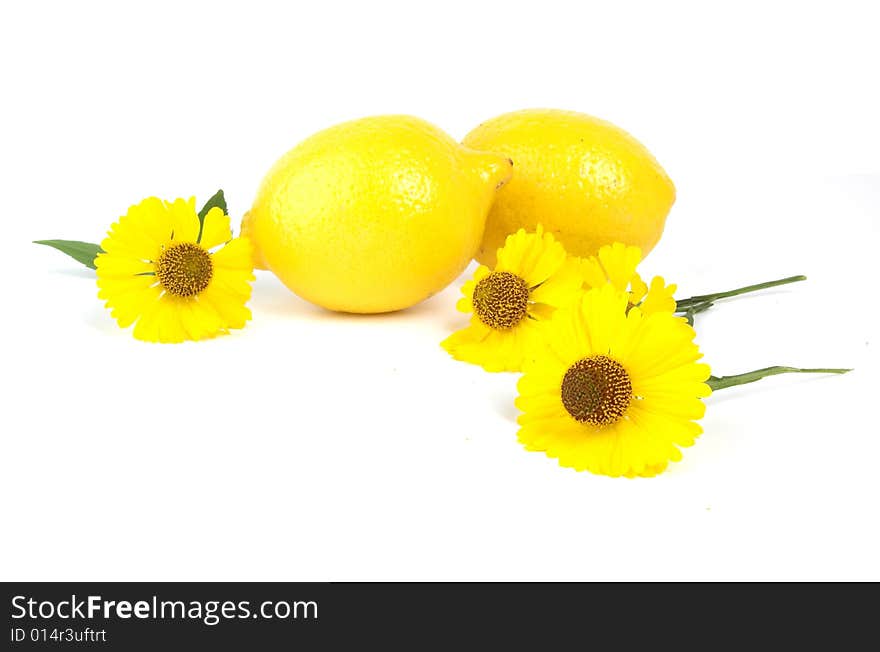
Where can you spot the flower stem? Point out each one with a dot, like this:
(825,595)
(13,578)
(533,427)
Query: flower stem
(696,308)
(723,382)
(685,304)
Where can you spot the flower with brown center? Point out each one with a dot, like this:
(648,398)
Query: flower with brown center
(532,278)
(616,392)
(174,274)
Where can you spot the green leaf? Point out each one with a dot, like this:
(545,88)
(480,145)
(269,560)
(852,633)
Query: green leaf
(218,200)
(83,252)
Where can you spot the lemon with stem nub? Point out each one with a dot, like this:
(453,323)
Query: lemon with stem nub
(375,214)
(587,181)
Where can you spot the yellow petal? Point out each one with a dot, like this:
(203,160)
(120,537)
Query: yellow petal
(474,333)
(665,342)
(541,311)
(665,431)
(660,297)
(493,350)
(115,265)
(127,304)
(555,433)
(231,281)
(638,290)
(533,257)
(228,305)
(184,219)
(592,274)
(147,326)
(531,342)
(561,288)
(112,287)
(236,255)
(603,312)
(465,304)
(215,229)
(568,335)
(480,273)
(200,321)
(168,320)
(619,262)
(141,232)
(539,393)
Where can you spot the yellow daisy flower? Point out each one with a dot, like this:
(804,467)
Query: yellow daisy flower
(616,264)
(177,277)
(616,392)
(532,277)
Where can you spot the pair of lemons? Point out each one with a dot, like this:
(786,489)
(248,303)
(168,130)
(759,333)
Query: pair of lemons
(377,214)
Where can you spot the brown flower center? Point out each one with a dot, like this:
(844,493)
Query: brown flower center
(501,300)
(596,390)
(184,269)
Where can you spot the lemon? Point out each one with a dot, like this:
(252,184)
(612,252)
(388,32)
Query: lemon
(587,181)
(373,215)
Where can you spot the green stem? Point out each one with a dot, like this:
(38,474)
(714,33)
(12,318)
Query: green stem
(685,304)
(696,308)
(723,382)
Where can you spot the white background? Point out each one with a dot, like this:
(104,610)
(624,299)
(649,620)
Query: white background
(316,446)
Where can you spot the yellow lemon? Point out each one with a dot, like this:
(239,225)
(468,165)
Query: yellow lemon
(587,181)
(375,214)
